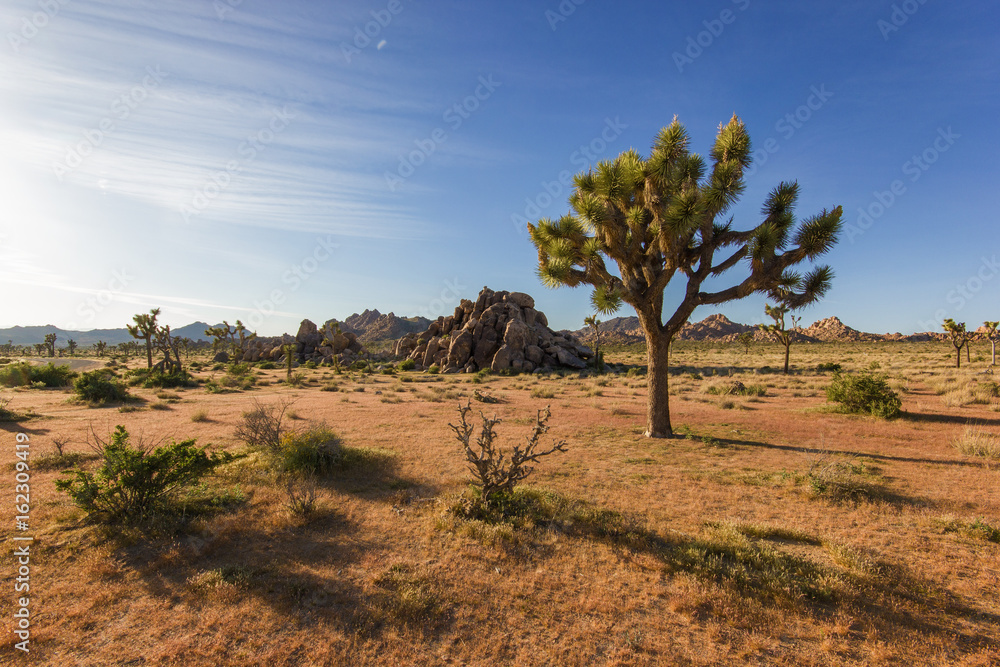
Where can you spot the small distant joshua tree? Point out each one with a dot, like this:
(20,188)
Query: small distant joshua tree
(144,329)
(167,345)
(289,351)
(595,324)
(41,348)
(991,335)
(746,340)
(50,344)
(71,344)
(778,330)
(99,347)
(959,338)
(235,337)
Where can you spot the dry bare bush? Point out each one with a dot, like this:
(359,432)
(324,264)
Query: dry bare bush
(261,427)
(495,475)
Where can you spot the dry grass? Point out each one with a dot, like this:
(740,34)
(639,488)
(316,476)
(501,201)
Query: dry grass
(779,534)
(977,440)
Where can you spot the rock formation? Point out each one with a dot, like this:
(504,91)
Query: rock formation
(372,325)
(311,344)
(500,331)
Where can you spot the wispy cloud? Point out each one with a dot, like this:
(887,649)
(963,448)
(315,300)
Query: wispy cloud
(174,102)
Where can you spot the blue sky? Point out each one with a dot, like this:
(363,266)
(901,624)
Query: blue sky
(227,159)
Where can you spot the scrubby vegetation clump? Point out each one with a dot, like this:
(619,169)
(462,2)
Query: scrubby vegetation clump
(101,386)
(864,393)
(133,481)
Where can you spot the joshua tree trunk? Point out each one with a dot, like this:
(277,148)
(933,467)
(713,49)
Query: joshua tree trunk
(657,379)
(788,347)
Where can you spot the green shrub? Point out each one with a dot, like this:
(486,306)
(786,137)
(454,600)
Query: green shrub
(864,393)
(267,365)
(831,367)
(24,374)
(52,376)
(101,386)
(434,369)
(314,451)
(16,375)
(154,378)
(407,364)
(133,482)
(310,364)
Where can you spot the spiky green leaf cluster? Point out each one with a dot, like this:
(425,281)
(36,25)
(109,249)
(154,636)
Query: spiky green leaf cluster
(666,213)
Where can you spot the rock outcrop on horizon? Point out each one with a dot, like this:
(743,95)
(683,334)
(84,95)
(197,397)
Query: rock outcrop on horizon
(499,331)
(372,325)
(625,330)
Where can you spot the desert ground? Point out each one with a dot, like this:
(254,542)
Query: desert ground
(772,530)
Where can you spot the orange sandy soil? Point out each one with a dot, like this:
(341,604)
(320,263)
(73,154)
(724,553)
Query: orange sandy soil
(384,575)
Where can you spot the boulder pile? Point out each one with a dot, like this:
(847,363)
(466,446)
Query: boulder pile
(311,344)
(499,331)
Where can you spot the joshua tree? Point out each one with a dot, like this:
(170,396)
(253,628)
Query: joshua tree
(41,348)
(595,324)
(145,328)
(668,215)
(50,344)
(746,340)
(959,338)
(227,335)
(778,330)
(289,351)
(167,344)
(100,346)
(991,335)
(71,344)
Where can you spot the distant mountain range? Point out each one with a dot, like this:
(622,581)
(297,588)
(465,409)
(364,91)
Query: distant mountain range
(371,325)
(720,328)
(36,334)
